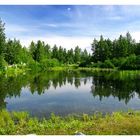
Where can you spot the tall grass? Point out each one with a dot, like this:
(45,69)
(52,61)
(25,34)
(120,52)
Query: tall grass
(118,123)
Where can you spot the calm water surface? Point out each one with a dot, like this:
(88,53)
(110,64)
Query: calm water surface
(70,92)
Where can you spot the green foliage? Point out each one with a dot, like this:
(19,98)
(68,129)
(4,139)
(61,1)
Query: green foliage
(49,57)
(70,56)
(2,37)
(101,49)
(106,53)
(131,63)
(118,62)
(108,64)
(99,64)
(77,55)
(55,52)
(47,51)
(33,65)
(61,55)
(32,50)
(13,52)
(39,51)
(48,63)
(119,53)
(3,63)
(117,123)
(137,49)
(83,64)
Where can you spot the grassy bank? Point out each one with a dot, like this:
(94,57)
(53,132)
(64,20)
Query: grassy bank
(96,69)
(118,123)
(12,71)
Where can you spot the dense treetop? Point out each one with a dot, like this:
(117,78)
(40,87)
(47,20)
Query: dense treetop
(123,53)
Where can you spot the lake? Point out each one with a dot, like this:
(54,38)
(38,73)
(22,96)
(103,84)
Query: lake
(70,92)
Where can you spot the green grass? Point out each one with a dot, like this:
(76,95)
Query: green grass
(76,68)
(14,71)
(118,123)
(96,69)
(11,71)
(62,68)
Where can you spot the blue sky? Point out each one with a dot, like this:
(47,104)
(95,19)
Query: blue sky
(69,25)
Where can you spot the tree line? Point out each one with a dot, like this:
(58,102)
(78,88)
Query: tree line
(39,53)
(121,53)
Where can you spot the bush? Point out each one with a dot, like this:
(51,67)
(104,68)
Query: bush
(86,63)
(99,64)
(118,62)
(47,63)
(83,64)
(3,63)
(33,65)
(131,63)
(138,62)
(108,64)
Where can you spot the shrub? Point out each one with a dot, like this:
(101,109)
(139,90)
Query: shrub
(47,63)
(118,62)
(108,64)
(33,65)
(3,63)
(131,63)
(83,64)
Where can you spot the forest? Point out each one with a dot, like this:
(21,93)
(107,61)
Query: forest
(122,53)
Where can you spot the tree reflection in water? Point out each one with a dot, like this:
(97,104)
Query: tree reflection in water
(121,85)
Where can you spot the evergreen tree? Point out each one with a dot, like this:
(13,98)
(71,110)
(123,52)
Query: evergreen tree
(32,50)
(121,47)
(12,51)
(84,55)
(131,44)
(25,56)
(2,63)
(109,49)
(95,50)
(65,56)
(60,54)
(39,51)
(77,54)
(100,50)
(70,56)
(137,49)
(47,50)
(54,52)
(2,37)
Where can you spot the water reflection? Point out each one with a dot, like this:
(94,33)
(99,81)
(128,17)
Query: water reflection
(123,89)
(121,85)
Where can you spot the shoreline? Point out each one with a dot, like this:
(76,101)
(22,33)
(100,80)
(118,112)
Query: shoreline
(117,123)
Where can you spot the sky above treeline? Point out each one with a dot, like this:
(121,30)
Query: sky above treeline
(69,25)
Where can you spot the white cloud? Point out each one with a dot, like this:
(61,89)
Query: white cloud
(65,42)
(69,9)
(136,35)
(15,28)
(115,18)
(51,25)
(63,24)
